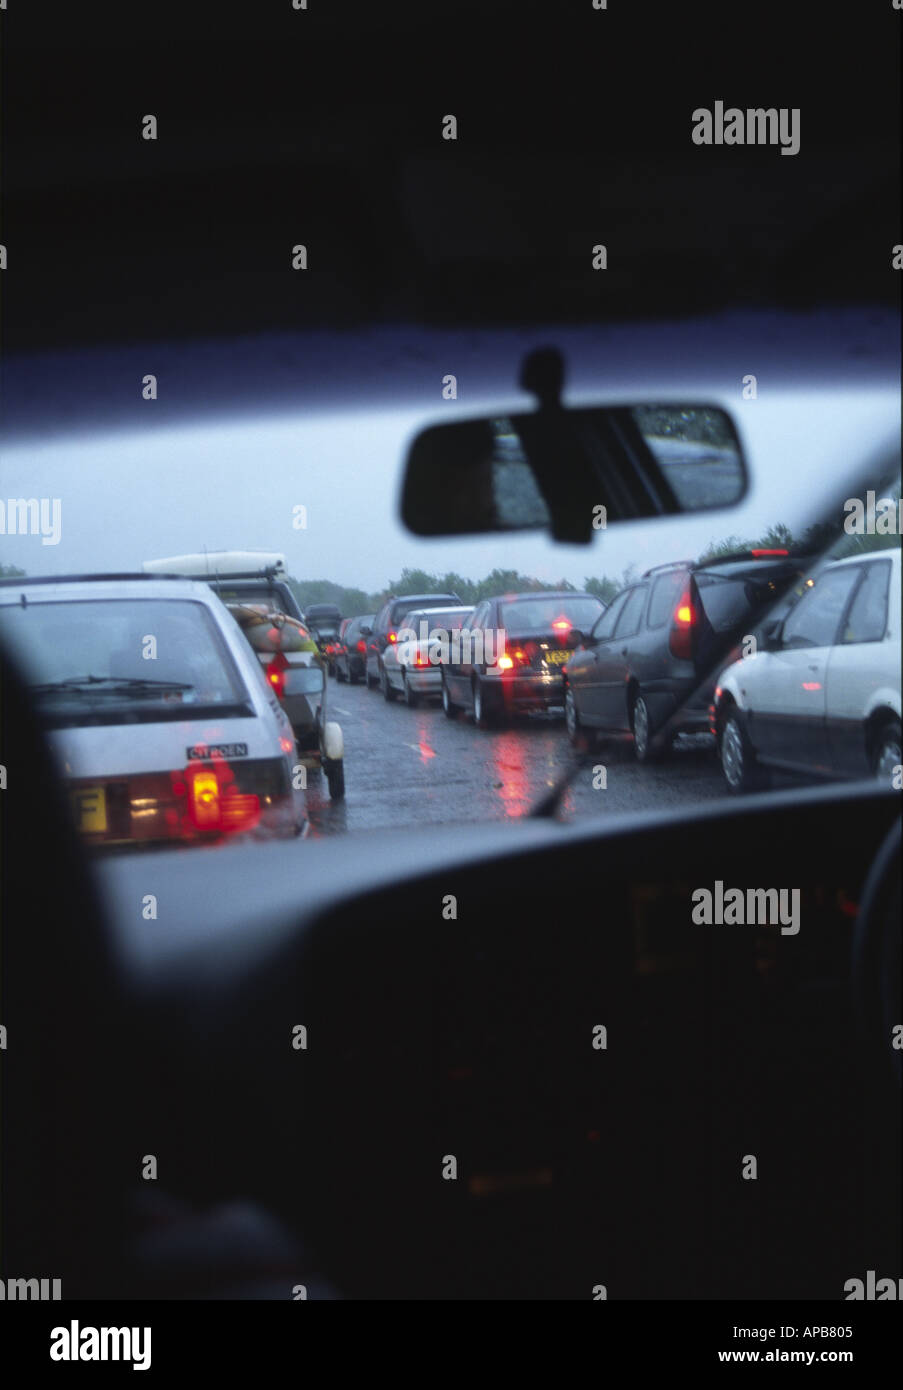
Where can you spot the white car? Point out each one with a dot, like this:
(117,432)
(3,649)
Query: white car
(824,697)
(156,708)
(411,665)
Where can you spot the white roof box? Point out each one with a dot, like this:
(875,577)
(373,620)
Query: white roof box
(219,564)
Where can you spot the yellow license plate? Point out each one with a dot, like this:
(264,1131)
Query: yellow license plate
(557,658)
(89,806)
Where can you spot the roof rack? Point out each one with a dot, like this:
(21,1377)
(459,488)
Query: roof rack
(26,580)
(271,572)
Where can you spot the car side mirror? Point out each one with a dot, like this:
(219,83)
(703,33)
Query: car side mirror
(772,635)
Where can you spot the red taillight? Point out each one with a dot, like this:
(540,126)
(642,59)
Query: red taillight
(362,645)
(203,801)
(213,801)
(562,625)
(514,656)
(276,673)
(421,660)
(757,554)
(682,627)
(391,636)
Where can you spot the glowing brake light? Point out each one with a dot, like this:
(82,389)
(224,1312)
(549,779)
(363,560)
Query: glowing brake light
(203,801)
(516,657)
(680,641)
(757,554)
(362,645)
(392,637)
(562,625)
(213,802)
(276,673)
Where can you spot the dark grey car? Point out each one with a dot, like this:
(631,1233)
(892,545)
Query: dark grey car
(648,669)
(351,657)
(512,654)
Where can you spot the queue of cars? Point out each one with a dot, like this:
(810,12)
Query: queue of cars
(181,708)
(782,669)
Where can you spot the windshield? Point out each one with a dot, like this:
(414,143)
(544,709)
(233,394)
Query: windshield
(361,551)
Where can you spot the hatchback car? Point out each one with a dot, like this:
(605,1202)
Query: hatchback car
(823,696)
(160,717)
(649,667)
(386,623)
(412,664)
(351,658)
(513,654)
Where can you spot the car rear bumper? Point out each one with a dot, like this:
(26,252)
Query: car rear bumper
(427,681)
(530,690)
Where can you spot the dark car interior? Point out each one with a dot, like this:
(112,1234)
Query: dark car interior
(457,1126)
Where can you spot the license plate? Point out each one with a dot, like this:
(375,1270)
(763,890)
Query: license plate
(89,806)
(557,658)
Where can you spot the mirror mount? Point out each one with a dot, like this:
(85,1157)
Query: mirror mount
(566,483)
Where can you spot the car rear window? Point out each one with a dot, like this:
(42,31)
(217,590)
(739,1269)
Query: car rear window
(436,617)
(666,592)
(403,606)
(129,641)
(542,614)
(726,602)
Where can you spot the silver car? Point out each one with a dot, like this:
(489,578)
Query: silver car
(159,714)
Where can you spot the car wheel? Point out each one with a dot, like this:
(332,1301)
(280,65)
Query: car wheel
(886,751)
(335,778)
(646,749)
(411,698)
(580,737)
(448,704)
(388,690)
(483,713)
(739,763)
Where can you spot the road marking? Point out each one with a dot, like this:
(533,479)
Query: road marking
(338,709)
(423,749)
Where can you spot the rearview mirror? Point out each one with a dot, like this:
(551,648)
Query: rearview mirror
(570,471)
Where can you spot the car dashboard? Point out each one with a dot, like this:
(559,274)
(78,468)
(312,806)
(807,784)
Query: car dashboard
(530,1072)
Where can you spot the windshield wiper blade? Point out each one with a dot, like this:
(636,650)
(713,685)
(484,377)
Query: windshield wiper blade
(548,804)
(83,685)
